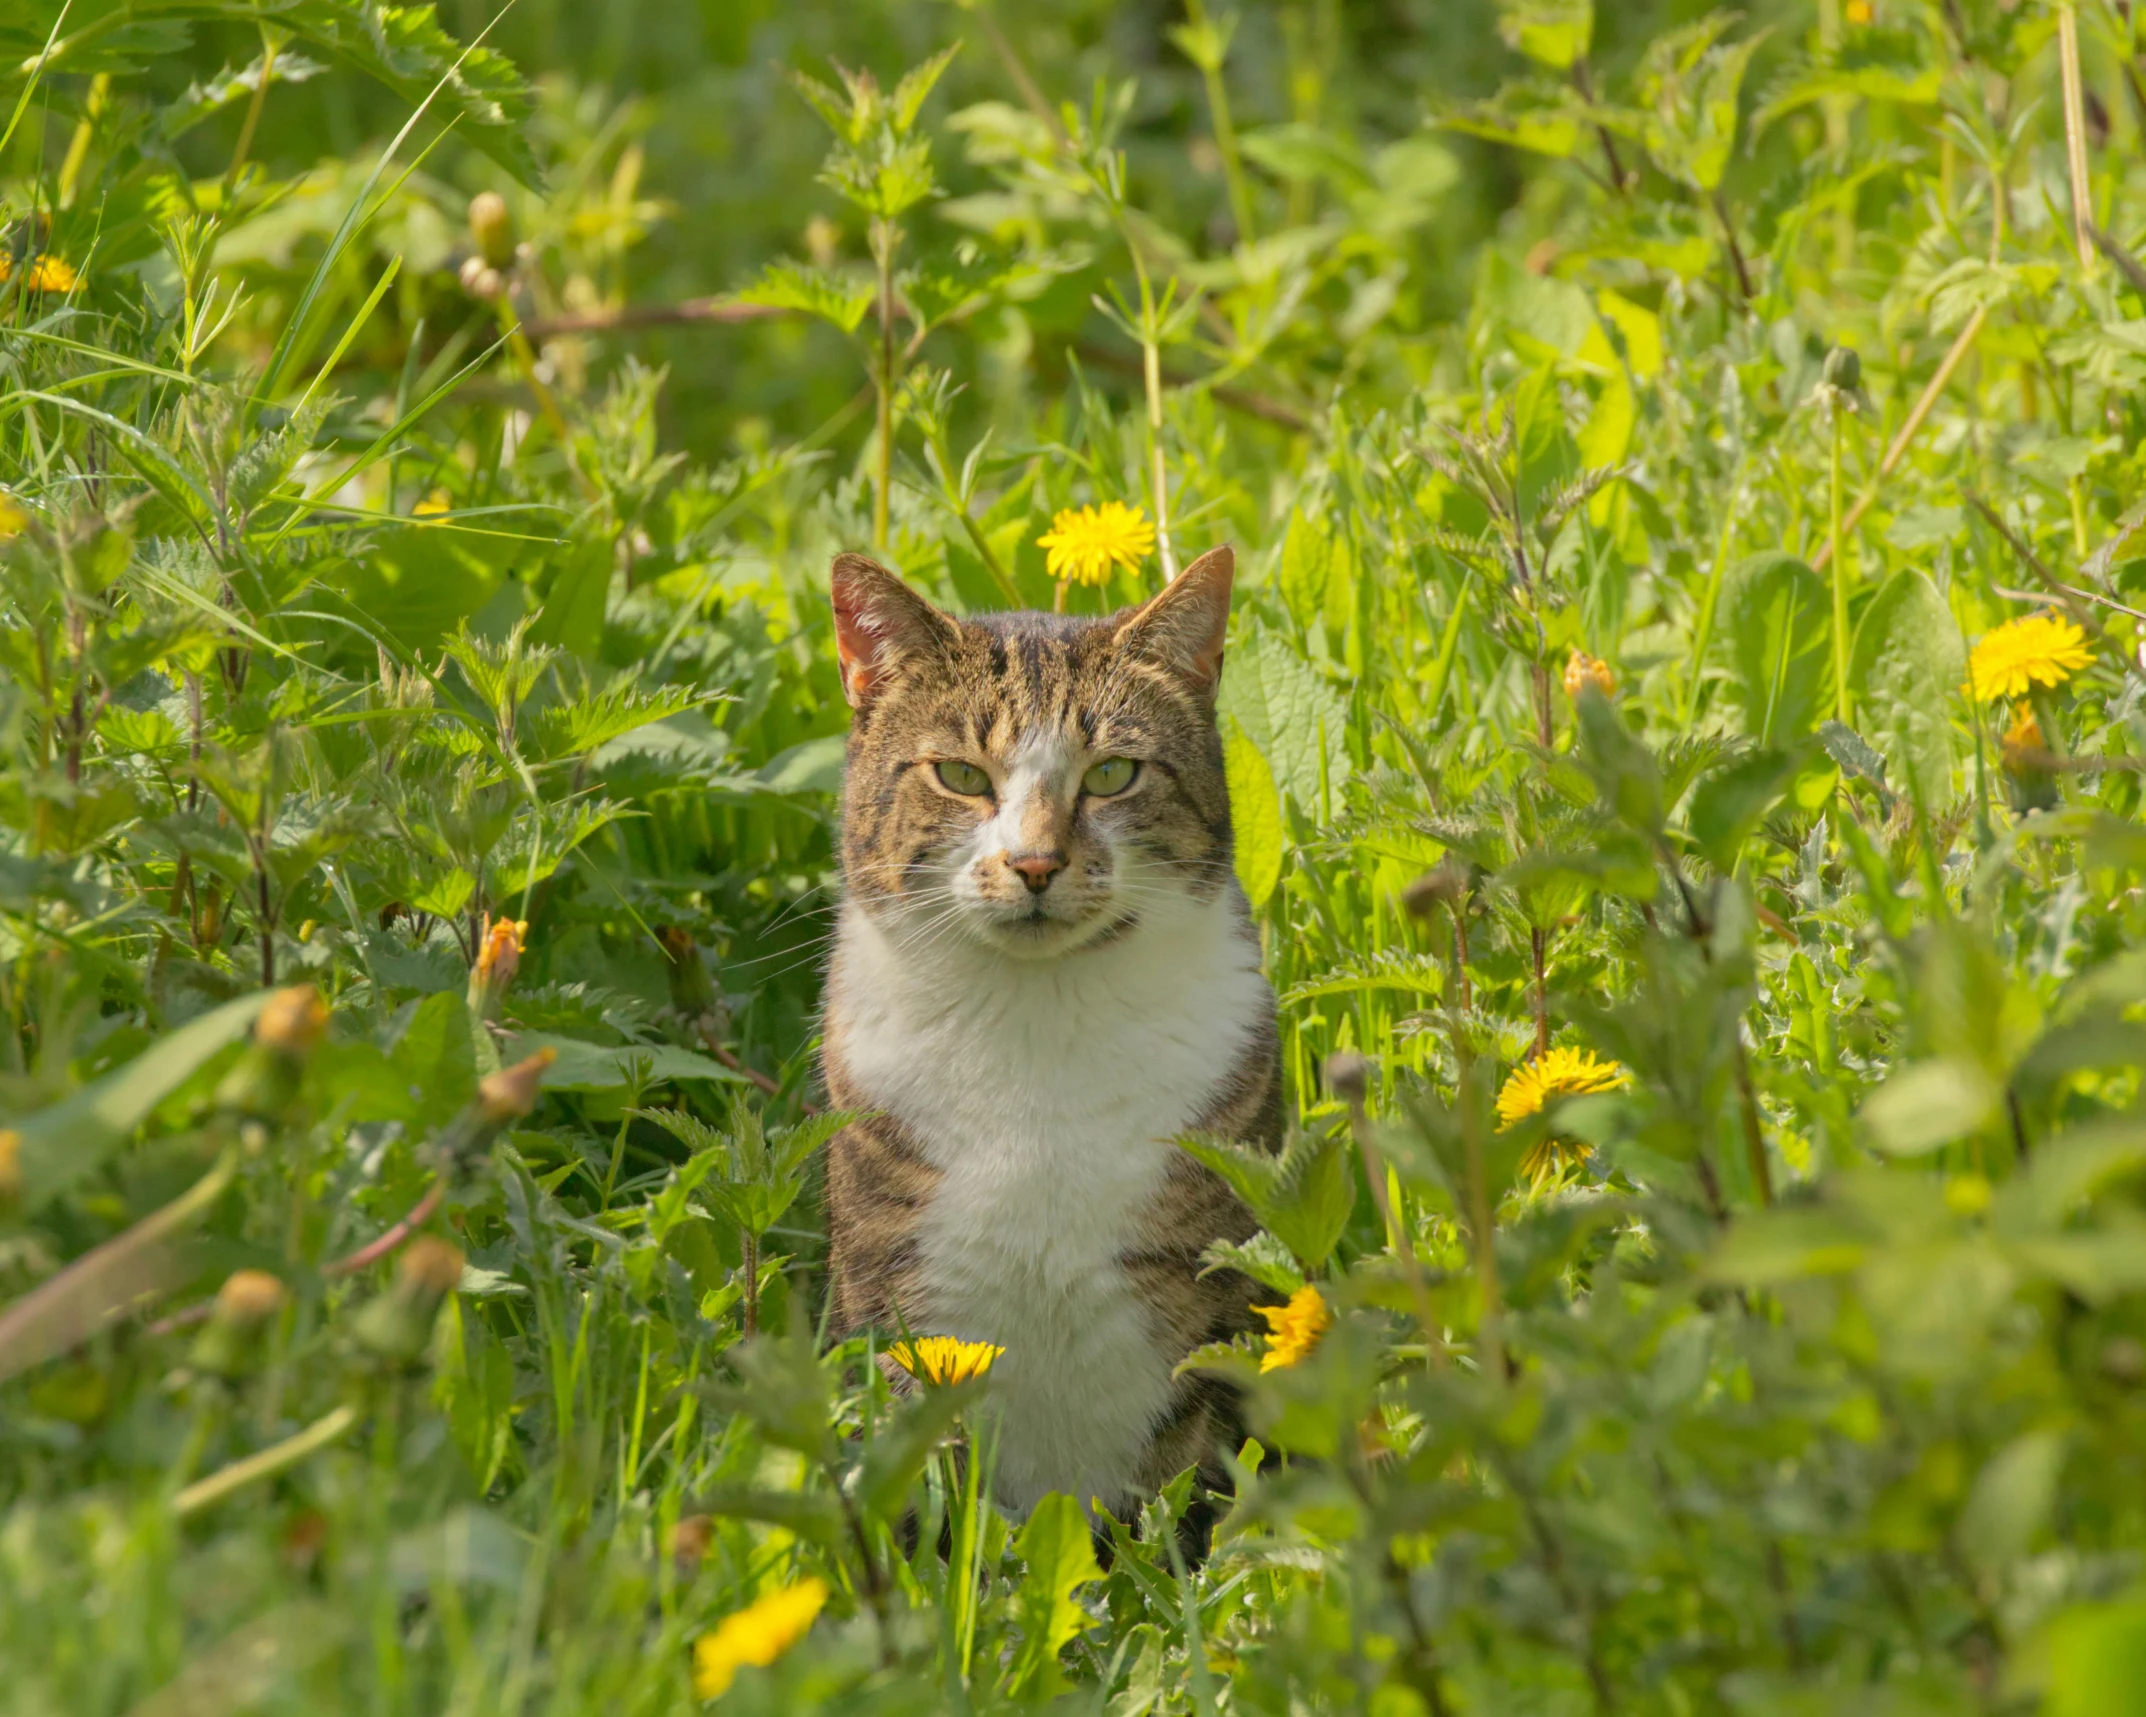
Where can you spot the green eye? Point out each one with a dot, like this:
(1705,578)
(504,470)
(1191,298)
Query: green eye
(964,778)
(1112,775)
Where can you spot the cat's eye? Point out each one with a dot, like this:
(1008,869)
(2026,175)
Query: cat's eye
(1112,775)
(964,778)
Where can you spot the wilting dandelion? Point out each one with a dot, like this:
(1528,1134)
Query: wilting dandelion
(1554,1073)
(944,1358)
(757,1634)
(1086,542)
(1581,669)
(1294,1329)
(2034,650)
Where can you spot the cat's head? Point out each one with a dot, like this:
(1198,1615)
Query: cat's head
(1031,782)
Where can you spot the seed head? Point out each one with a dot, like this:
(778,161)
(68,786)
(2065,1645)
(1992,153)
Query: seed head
(1348,1076)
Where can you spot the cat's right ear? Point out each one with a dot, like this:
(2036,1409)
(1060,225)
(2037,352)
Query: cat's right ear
(879,621)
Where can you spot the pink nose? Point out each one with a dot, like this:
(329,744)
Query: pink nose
(1037,869)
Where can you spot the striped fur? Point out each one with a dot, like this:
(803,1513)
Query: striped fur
(1028,1053)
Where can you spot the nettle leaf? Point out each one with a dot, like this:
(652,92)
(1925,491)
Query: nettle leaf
(588,722)
(205,101)
(833,298)
(406,49)
(1554,33)
(1301,1196)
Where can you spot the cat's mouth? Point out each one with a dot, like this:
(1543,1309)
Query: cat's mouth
(1038,934)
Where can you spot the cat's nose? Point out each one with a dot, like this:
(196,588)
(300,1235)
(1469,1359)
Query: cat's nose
(1037,869)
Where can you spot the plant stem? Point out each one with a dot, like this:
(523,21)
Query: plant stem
(884,239)
(1840,580)
(266,1464)
(2082,192)
(749,1246)
(269,45)
(1158,479)
(1240,190)
(1899,444)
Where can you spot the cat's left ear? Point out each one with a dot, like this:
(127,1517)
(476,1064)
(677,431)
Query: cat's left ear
(1183,628)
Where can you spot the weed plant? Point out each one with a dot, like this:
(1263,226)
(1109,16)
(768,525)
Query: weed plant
(1684,721)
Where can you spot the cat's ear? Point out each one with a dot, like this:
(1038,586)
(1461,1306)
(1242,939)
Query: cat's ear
(879,622)
(1183,628)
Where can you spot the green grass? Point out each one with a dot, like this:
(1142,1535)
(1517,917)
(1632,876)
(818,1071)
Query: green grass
(357,601)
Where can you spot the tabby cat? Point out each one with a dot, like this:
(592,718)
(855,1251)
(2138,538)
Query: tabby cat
(1044,971)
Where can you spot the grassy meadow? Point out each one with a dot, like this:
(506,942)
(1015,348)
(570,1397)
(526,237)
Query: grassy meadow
(1684,714)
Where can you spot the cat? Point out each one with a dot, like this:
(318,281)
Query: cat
(1044,971)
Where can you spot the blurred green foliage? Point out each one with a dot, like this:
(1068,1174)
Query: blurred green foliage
(1713,999)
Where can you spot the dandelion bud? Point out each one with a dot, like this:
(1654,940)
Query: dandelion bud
(249,1297)
(1433,889)
(245,1304)
(1844,369)
(1581,669)
(1348,1076)
(481,280)
(294,1021)
(511,1093)
(399,1323)
(499,957)
(491,225)
(10,1165)
(264,1080)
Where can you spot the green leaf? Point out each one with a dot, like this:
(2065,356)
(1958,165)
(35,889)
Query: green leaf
(2097,1659)
(1927,1105)
(1060,1559)
(1255,816)
(76,1135)
(901,1444)
(1906,665)
(1287,710)
(2011,1500)
(1554,33)
(815,291)
(1776,625)
(1624,770)
(1729,804)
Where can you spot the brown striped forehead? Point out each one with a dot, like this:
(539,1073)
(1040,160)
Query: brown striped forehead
(1008,676)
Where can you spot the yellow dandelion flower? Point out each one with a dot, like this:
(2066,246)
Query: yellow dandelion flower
(44,274)
(1086,542)
(1294,1329)
(1556,1073)
(1860,11)
(434,504)
(944,1358)
(13,517)
(2034,650)
(757,1634)
(1581,669)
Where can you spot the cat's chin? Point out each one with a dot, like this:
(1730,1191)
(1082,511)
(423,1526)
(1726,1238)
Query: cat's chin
(1027,937)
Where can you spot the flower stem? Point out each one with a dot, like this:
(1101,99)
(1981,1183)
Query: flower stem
(1840,581)
(266,1464)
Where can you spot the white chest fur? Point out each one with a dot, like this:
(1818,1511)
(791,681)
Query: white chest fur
(1047,1093)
